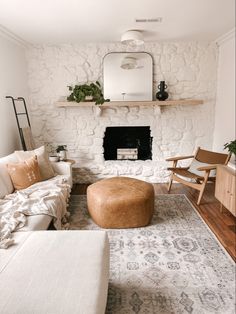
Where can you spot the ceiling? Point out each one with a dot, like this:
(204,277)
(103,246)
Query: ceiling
(76,21)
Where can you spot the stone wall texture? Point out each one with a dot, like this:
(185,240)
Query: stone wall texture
(188,68)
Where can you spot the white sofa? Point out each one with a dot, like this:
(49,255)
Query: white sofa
(37,222)
(52,272)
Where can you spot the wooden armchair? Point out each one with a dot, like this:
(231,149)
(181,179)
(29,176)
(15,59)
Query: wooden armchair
(201,170)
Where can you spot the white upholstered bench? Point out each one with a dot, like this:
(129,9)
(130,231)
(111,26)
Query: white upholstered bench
(55,272)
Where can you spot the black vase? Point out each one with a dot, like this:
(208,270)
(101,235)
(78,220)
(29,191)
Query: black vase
(162,94)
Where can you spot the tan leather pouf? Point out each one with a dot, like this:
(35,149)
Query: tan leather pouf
(121,202)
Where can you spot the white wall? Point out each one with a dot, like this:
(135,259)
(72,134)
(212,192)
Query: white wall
(13,81)
(189,69)
(225,100)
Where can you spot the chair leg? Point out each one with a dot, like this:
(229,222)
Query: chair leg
(200,195)
(171,176)
(203,185)
(170,183)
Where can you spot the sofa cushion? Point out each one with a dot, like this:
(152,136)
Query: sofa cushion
(24,174)
(45,167)
(9,158)
(36,222)
(6,186)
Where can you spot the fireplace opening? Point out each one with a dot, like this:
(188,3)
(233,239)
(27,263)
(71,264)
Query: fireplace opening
(127,143)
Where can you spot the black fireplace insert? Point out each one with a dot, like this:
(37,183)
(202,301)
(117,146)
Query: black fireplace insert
(127,143)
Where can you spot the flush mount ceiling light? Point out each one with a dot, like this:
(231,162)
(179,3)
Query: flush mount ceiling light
(132,38)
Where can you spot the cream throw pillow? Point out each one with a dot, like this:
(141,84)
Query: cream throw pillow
(24,174)
(45,167)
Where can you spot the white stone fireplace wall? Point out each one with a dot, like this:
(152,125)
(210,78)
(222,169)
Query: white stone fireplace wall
(189,70)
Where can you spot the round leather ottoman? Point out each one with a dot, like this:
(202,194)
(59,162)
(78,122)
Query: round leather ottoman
(121,202)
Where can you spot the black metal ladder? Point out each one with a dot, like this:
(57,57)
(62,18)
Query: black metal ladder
(17,114)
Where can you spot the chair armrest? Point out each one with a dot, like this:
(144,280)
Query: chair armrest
(207,168)
(63,168)
(179,158)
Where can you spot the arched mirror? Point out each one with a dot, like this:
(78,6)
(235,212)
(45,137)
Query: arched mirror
(128,76)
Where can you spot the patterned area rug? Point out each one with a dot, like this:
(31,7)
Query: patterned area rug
(175,265)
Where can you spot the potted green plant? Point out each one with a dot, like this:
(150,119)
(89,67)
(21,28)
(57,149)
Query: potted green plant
(52,152)
(82,92)
(231,146)
(61,151)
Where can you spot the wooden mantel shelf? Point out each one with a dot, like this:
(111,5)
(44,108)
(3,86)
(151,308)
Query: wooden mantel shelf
(66,104)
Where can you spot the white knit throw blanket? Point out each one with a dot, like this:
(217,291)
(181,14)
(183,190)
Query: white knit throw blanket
(47,197)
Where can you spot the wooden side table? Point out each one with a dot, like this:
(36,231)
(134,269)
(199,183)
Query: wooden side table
(225,187)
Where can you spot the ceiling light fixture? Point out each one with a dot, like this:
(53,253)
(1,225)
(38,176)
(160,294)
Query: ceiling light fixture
(132,38)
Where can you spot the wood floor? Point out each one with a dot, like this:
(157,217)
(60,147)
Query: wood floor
(222,224)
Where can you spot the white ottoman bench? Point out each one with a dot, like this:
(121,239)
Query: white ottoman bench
(55,272)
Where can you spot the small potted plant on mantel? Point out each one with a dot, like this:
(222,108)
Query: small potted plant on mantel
(231,146)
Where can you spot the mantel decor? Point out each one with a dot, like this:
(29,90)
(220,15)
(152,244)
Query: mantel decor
(162,94)
(93,91)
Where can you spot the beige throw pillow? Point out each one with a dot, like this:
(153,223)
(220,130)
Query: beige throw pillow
(45,166)
(25,173)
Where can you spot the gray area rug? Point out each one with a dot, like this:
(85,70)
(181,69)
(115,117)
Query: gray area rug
(175,265)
